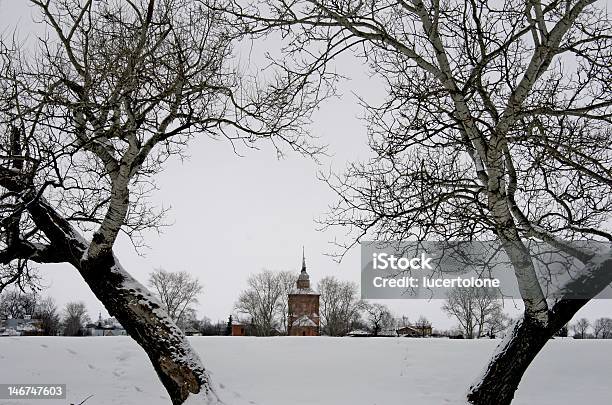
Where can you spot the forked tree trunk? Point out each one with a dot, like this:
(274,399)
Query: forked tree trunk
(177,364)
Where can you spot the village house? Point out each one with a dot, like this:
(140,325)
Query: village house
(248,329)
(241,328)
(191,331)
(21,327)
(414,331)
(359,333)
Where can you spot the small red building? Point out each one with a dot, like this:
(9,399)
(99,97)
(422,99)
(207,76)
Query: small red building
(240,329)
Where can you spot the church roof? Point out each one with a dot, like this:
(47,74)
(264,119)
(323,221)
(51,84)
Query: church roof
(303,291)
(303,320)
(302,286)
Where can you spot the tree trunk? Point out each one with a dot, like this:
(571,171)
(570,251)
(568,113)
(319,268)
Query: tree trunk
(178,366)
(505,370)
(528,337)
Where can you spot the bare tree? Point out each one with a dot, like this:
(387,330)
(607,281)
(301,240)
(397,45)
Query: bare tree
(46,312)
(474,309)
(287,280)
(423,325)
(17,304)
(178,291)
(74,319)
(602,328)
(262,301)
(378,317)
(88,119)
(581,327)
(498,323)
(339,305)
(496,125)
(11,271)
(188,320)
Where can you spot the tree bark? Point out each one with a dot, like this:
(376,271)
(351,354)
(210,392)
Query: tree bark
(506,368)
(529,335)
(177,364)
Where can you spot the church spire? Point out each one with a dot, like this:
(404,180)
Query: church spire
(303,281)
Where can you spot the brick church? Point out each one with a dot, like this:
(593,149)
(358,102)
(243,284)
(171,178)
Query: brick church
(303,307)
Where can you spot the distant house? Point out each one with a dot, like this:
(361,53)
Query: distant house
(21,327)
(365,333)
(191,331)
(408,331)
(107,327)
(248,329)
(414,331)
(387,333)
(242,329)
(359,333)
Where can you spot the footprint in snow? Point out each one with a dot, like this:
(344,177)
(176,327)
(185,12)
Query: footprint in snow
(45,346)
(71,351)
(123,356)
(138,389)
(91,367)
(222,386)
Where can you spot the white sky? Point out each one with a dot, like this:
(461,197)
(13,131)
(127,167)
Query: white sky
(233,216)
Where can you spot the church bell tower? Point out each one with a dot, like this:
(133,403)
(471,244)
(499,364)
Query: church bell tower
(303,319)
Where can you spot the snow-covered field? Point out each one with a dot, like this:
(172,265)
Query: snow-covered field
(302,370)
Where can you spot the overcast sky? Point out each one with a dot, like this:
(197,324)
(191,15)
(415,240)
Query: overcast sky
(233,216)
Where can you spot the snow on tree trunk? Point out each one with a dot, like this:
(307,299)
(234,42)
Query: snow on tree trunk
(177,364)
(505,370)
(528,336)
